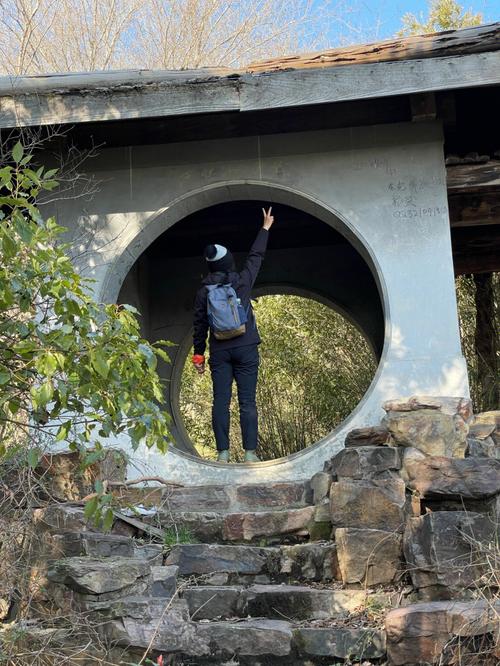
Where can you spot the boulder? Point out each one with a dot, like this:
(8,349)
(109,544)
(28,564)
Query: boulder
(453,406)
(371,436)
(429,430)
(420,634)
(340,642)
(88,575)
(366,462)
(164,581)
(201,558)
(442,551)
(248,526)
(468,478)
(320,486)
(376,504)
(310,561)
(368,557)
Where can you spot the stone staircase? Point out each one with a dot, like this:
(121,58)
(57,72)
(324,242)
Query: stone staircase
(251,588)
(369,562)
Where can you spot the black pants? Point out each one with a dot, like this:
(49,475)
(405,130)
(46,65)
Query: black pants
(241,364)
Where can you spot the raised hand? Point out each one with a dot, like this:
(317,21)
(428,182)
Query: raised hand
(268,218)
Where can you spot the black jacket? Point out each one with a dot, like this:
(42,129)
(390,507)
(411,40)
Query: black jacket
(242,283)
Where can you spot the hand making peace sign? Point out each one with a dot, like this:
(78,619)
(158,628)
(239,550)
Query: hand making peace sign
(268,218)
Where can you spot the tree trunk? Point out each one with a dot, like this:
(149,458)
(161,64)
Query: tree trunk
(486,343)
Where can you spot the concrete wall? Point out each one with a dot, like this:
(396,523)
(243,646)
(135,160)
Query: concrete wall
(382,187)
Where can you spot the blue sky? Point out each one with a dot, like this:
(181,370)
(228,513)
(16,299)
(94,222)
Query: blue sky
(380,19)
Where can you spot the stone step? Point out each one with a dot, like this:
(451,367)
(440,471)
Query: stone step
(234,564)
(250,526)
(223,498)
(291,602)
(165,627)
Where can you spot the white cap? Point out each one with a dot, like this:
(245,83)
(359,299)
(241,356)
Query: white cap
(221,251)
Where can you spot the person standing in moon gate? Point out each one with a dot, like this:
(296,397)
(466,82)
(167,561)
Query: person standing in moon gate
(223,309)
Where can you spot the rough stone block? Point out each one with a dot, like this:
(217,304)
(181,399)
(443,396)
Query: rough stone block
(322,511)
(340,642)
(249,638)
(88,575)
(442,551)
(270,495)
(203,558)
(370,436)
(164,581)
(142,622)
(310,561)
(65,479)
(301,603)
(212,602)
(94,544)
(446,405)
(377,504)
(368,557)
(429,430)
(366,462)
(320,485)
(248,526)
(205,526)
(482,448)
(237,498)
(198,498)
(151,553)
(60,518)
(419,634)
(469,478)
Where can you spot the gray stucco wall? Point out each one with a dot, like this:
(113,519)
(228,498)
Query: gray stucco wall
(383,187)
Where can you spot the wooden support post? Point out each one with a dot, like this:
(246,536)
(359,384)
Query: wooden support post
(486,343)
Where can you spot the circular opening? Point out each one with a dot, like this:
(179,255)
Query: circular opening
(326,270)
(315,368)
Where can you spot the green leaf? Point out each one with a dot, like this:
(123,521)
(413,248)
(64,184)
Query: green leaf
(109,518)
(9,246)
(43,395)
(17,152)
(99,363)
(33,457)
(63,431)
(91,508)
(4,376)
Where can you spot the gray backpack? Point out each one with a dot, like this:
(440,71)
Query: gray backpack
(226,315)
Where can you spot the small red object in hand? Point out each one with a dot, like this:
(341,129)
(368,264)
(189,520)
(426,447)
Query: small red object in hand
(198,359)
